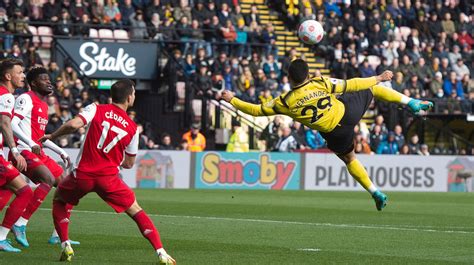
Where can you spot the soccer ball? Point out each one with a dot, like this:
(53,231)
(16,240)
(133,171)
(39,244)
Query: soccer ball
(311,32)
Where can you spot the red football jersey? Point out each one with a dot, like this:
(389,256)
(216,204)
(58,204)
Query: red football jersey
(7,102)
(33,112)
(109,135)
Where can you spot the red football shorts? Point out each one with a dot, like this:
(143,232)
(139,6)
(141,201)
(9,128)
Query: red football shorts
(33,161)
(110,188)
(7,172)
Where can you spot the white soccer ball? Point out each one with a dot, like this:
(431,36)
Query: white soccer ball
(311,32)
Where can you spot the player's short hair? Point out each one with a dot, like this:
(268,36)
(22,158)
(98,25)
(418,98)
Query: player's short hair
(298,71)
(34,73)
(8,64)
(121,90)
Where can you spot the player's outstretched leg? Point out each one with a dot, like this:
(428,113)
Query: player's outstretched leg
(358,172)
(23,194)
(416,106)
(19,229)
(149,231)
(61,215)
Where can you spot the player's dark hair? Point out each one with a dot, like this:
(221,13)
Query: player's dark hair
(34,73)
(8,64)
(298,71)
(121,90)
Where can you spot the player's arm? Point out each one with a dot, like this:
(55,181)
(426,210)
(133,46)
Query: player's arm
(249,108)
(65,129)
(6,108)
(58,150)
(131,152)
(358,84)
(81,120)
(19,133)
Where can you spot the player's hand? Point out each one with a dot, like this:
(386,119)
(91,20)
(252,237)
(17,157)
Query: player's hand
(45,137)
(385,76)
(67,160)
(227,95)
(36,149)
(20,161)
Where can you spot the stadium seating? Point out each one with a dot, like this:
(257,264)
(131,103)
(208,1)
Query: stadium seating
(46,36)
(121,35)
(106,35)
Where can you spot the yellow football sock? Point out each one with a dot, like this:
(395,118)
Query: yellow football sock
(358,172)
(389,95)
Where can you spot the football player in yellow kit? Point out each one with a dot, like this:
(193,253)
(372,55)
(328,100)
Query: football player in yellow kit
(333,107)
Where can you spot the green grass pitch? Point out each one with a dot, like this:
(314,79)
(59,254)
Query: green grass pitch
(266,227)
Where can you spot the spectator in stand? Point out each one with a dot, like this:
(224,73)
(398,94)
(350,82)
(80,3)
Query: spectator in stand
(63,26)
(271,66)
(424,150)
(455,55)
(139,30)
(453,85)
(269,38)
(51,10)
(379,120)
(189,66)
(414,144)
(366,70)
(239,140)
(17,25)
(360,142)
(76,107)
(127,10)
(254,35)
(388,146)
(200,13)
(83,27)
(97,12)
(53,106)
(211,8)
(77,10)
(465,39)
(154,27)
(203,83)
(183,146)
(31,57)
(151,145)
(398,83)
(212,33)
(270,133)
(229,36)
(298,132)
(250,95)
(253,16)
(237,17)
(196,141)
(405,150)
(423,72)
(68,76)
(197,38)
(286,142)
(448,25)
(314,140)
(436,86)
(155,6)
(460,69)
(66,99)
(399,137)
(376,137)
(166,142)
(112,13)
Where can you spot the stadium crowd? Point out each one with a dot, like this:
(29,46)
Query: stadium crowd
(210,42)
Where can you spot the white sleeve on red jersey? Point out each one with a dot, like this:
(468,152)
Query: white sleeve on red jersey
(23,106)
(88,113)
(132,147)
(7,102)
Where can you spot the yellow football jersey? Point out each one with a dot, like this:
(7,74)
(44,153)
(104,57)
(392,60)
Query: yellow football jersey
(313,103)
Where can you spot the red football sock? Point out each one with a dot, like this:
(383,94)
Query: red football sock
(61,219)
(18,205)
(5,195)
(148,229)
(40,193)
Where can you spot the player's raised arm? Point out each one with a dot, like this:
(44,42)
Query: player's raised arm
(81,120)
(249,108)
(357,84)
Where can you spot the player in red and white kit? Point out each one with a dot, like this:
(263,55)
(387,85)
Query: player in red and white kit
(111,142)
(11,78)
(29,124)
